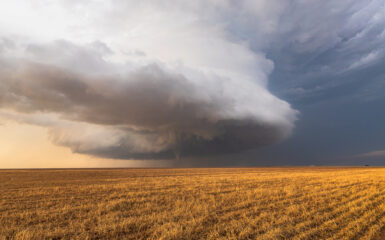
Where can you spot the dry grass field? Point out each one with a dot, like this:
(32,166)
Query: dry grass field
(228,203)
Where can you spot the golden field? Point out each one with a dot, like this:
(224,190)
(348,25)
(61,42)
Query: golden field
(227,203)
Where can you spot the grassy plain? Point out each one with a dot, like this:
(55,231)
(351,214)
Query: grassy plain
(227,203)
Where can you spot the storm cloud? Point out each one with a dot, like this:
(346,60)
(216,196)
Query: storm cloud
(149,112)
(154,80)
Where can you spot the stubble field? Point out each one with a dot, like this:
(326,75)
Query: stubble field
(227,203)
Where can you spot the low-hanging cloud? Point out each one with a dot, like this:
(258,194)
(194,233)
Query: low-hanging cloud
(146,113)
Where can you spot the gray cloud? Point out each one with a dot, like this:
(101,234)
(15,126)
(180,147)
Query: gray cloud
(325,44)
(146,113)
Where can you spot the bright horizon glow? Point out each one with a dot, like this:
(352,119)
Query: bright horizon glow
(27,146)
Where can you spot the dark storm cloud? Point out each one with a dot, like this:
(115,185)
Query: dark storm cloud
(151,113)
(326,50)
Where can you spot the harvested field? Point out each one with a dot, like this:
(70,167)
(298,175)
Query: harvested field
(223,203)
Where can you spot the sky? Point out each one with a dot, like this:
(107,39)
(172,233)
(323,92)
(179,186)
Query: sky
(118,83)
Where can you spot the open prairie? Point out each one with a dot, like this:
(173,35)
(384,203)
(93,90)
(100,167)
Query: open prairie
(226,203)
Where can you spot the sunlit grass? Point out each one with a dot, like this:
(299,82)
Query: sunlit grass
(249,203)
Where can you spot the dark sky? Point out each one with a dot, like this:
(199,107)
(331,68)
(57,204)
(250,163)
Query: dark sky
(342,113)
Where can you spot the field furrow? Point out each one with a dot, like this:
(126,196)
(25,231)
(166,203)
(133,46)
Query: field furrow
(230,203)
